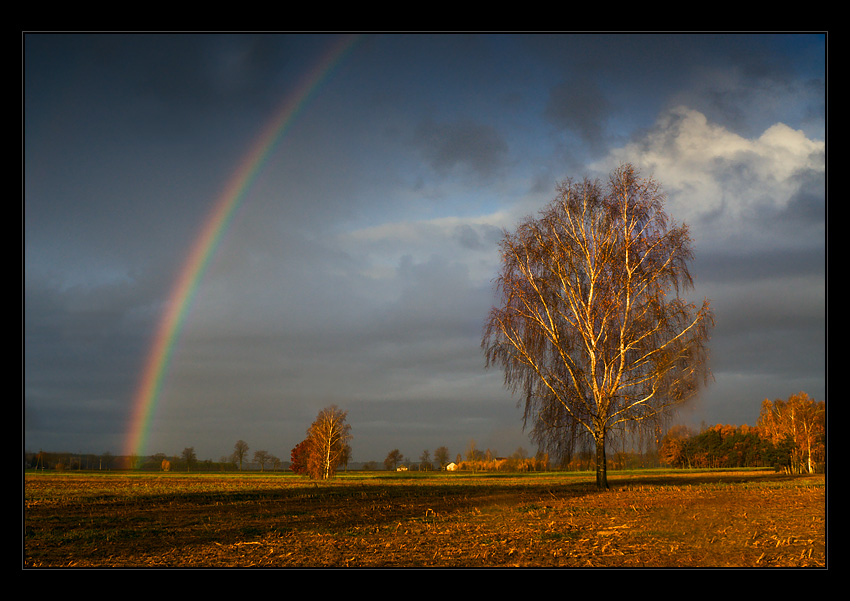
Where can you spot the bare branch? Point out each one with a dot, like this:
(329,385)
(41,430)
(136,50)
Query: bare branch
(590,326)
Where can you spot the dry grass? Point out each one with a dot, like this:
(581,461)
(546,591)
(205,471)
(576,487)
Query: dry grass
(676,519)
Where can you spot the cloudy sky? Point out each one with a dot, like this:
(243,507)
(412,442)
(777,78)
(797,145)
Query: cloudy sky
(357,270)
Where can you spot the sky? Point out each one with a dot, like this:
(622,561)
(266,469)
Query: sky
(357,268)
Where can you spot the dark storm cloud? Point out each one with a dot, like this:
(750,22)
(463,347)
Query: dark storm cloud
(580,107)
(470,148)
(764,264)
(159,72)
(807,206)
(358,269)
(81,356)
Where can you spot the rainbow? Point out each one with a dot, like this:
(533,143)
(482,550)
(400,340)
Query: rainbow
(183,291)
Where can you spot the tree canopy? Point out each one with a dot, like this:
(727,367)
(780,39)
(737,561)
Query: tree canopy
(326,446)
(801,423)
(591,325)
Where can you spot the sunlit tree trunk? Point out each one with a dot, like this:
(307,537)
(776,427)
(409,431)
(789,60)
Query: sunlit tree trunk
(601,463)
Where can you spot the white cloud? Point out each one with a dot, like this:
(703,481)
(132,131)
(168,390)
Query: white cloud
(471,240)
(710,172)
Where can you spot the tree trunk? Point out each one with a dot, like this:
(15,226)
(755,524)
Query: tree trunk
(326,462)
(601,466)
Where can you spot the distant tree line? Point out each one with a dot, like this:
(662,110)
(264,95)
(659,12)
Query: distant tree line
(62,461)
(71,461)
(187,461)
(474,460)
(789,436)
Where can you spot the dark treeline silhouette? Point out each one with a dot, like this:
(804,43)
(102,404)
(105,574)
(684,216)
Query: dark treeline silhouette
(63,461)
(724,446)
(790,436)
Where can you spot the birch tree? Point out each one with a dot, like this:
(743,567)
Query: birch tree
(800,419)
(328,439)
(592,327)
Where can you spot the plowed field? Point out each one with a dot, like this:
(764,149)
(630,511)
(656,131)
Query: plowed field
(650,519)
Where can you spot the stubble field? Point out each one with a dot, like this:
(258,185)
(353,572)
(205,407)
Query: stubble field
(448,520)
